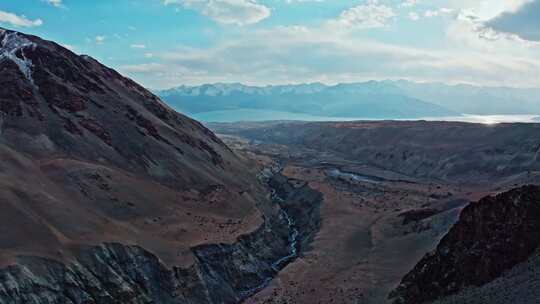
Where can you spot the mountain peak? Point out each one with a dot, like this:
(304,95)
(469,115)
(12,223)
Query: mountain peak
(108,156)
(47,88)
(12,47)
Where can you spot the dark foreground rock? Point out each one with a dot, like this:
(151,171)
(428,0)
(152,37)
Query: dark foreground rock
(491,237)
(223,273)
(520,285)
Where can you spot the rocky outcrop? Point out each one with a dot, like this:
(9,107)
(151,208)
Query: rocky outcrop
(222,273)
(491,236)
(521,284)
(237,271)
(417,215)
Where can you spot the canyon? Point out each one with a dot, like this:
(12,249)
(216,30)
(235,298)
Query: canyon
(395,195)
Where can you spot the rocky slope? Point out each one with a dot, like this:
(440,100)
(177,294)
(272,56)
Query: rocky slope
(491,237)
(90,156)
(109,196)
(222,273)
(521,285)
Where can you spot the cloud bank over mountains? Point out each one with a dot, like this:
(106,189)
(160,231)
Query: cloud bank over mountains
(477,49)
(18,21)
(174,42)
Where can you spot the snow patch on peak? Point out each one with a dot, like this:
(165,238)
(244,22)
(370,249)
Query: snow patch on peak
(10,45)
(227,89)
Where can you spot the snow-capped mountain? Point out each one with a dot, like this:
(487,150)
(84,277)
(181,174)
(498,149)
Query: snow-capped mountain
(372,99)
(224,89)
(369,100)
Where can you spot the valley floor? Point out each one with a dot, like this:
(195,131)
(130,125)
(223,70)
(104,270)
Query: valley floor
(376,225)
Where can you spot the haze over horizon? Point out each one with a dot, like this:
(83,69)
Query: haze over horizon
(333,84)
(164,44)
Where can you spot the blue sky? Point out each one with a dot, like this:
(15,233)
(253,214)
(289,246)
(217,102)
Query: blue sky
(166,43)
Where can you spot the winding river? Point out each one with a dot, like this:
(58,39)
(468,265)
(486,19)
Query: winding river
(293,238)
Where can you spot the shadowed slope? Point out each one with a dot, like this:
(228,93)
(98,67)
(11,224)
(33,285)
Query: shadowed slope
(491,236)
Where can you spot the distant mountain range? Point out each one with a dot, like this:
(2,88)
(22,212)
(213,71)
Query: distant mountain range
(471,99)
(373,99)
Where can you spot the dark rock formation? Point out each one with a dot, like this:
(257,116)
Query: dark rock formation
(417,215)
(521,284)
(491,236)
(235,272)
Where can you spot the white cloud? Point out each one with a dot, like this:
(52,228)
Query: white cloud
(16,20)
(438,12)
(148,55)
(69,47)
(302,1)
(367,16)
(235,12)
(144,68)
(413,16)
(299,54)
(472,28)
(100,39)
(446,10)
(55,3)
(431,13)
(409,3)
(524,22)
(137,46)
(485,10)
(332,52)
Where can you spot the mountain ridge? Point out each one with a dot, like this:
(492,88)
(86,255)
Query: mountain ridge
(369,100)
(387,99)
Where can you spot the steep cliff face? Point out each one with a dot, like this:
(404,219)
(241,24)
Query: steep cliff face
(491,236)
(521,284)
(109,196)
(239,270)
